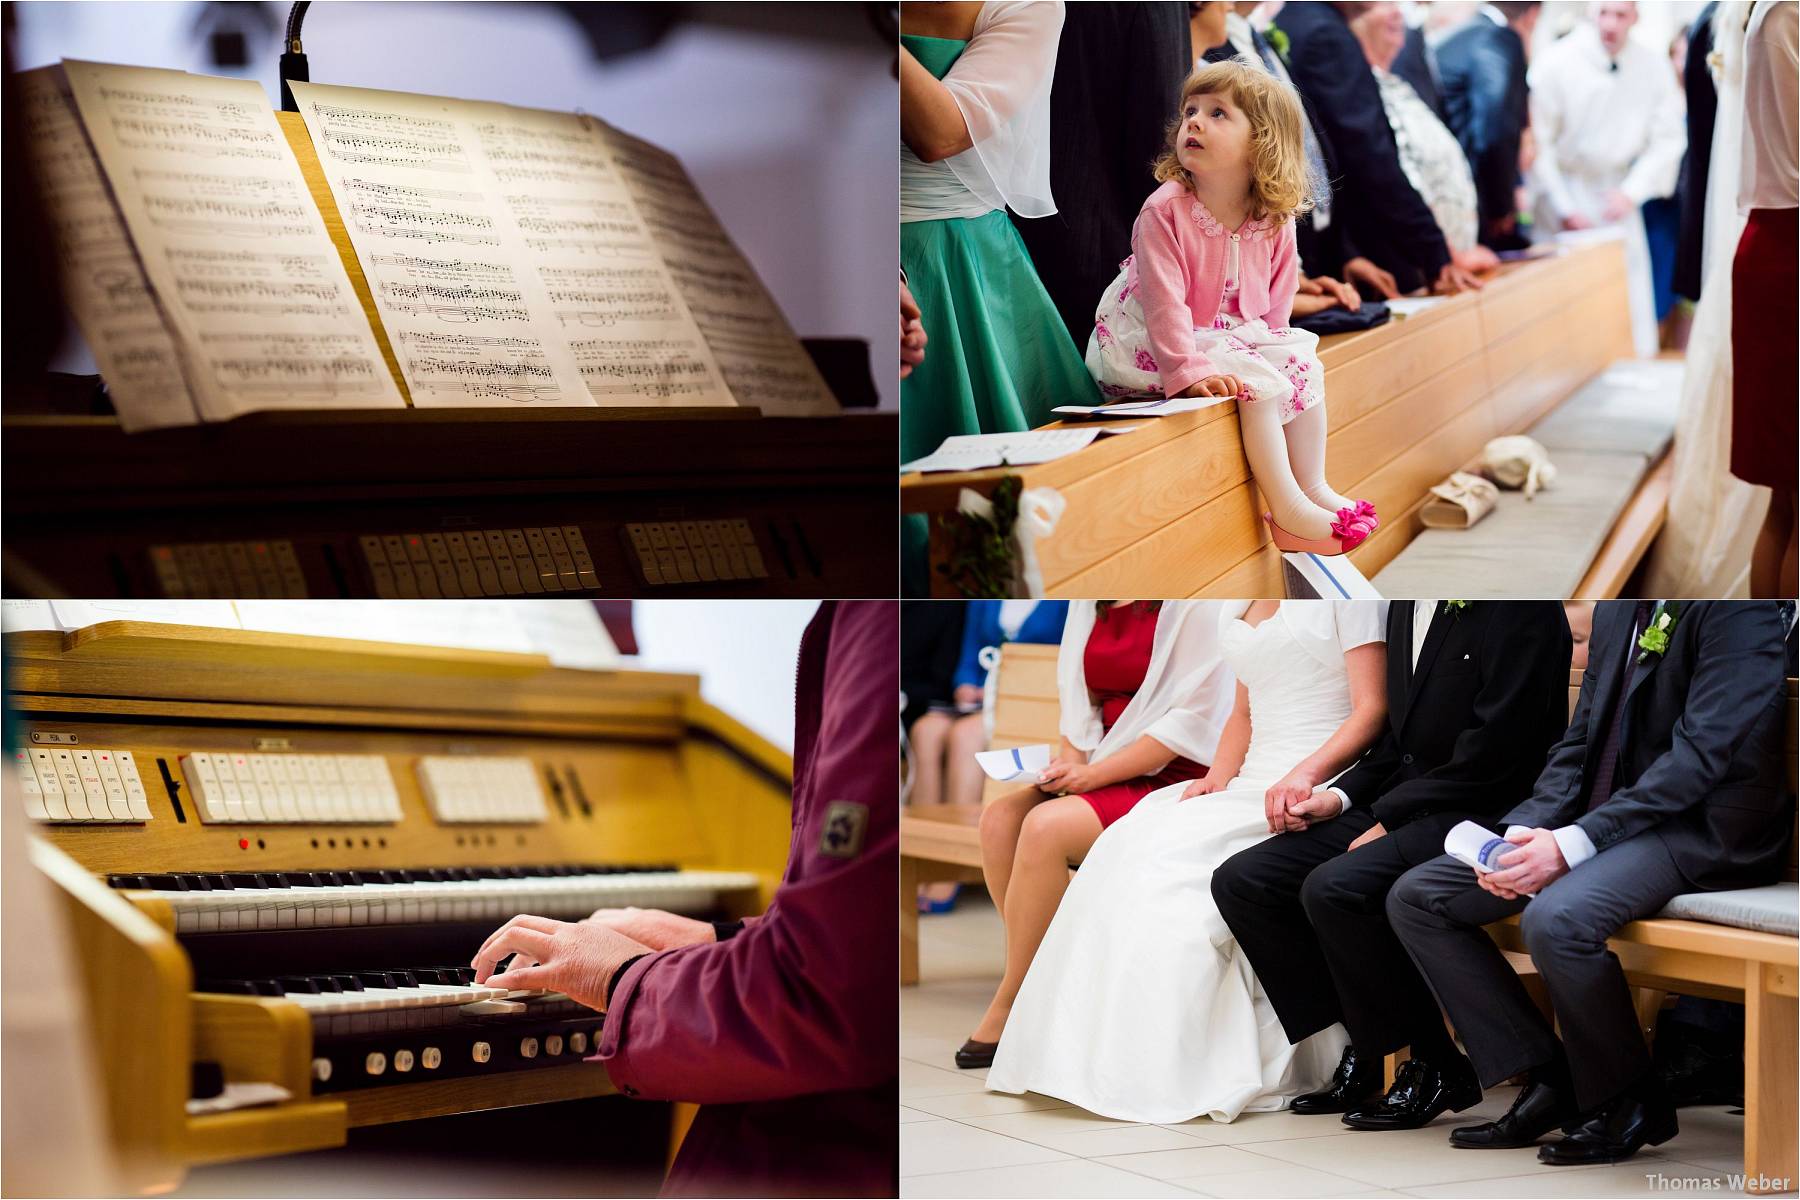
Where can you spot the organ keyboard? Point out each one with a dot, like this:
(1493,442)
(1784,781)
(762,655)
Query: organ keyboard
(280,853)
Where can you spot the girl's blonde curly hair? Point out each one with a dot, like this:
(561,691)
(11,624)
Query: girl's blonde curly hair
(1280,184)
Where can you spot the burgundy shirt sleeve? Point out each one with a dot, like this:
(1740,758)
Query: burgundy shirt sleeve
(803,1000)
(1163,292)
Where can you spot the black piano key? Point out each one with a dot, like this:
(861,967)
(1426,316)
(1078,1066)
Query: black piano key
(300,878)
(273,879)
(349,983)
(166,883)
(376,979)
(327,983)
(245,879)
(403,979)
(125,881)
(218,882)
(298,983)
(430,975)
(368,877)
(228,987)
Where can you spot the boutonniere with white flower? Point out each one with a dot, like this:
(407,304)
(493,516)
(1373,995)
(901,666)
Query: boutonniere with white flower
(1655,638)
(1455,607)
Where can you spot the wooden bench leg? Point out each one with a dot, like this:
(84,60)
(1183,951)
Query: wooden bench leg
(909,920)
(1390,1064)
(1770,1045)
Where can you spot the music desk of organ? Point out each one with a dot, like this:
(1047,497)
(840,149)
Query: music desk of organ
(276,852)
(473,480)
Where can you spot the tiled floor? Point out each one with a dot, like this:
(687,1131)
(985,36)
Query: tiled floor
(958,1139)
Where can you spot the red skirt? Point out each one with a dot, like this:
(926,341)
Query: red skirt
(1116,799)
(1765,379)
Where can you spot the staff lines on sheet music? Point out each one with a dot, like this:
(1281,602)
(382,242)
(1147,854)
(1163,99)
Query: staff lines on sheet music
(270,290)
(219,187)
(379,121)
(198,261)
(445,270)
(401,193)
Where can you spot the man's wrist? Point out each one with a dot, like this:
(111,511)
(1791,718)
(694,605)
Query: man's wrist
(1343,799)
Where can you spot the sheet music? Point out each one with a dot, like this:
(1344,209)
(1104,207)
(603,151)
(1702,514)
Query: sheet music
(976,451)
(507,260)
(102,279)
(763,361)
(461,624)
(256,297)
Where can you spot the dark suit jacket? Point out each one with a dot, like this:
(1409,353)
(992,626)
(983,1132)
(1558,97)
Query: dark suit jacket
(1381,212)
(1415,64)
(931,636)
(1701,757)
(1322,251)
(1482,67)
(1119,71)
(1467,728)
(1702,108)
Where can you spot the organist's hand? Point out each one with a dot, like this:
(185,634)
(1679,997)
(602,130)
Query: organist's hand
(575,958)
(655,928)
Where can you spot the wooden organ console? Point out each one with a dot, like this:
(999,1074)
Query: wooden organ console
(278,854)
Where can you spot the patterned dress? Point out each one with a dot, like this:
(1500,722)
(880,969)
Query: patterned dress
(1277,366)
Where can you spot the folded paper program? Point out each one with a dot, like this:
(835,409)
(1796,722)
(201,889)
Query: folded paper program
(1478,847)
(1018,765)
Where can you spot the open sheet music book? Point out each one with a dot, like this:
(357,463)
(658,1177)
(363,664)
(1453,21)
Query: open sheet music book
(409,249)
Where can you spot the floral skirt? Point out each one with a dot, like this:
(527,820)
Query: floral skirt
(1278,366)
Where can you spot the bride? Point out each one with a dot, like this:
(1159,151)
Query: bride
(1138,1005)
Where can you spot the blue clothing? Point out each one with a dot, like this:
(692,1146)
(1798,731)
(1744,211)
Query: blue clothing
(981,627)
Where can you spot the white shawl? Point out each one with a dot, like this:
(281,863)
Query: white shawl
(1187,693)
(1001,82)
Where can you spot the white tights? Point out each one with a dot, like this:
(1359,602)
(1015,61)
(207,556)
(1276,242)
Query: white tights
(1289,464)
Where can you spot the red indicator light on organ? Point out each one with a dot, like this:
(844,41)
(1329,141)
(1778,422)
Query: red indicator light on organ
(243,843)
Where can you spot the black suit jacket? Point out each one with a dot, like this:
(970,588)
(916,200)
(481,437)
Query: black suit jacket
(1415,64)
(1696,163)
(1467,728)
(1482,67)
(1382,214)
(1700,761)
(1119,71)
(931,633)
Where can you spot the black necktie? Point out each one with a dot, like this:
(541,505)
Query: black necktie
(1606,765)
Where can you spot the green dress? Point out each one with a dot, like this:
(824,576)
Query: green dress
(998,357)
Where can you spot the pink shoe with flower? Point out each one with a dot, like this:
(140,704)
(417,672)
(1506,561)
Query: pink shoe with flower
(1347,533)
(1364,511)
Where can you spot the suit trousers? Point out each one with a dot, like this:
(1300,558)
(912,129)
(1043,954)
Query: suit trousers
(1305,912)
(1438,911)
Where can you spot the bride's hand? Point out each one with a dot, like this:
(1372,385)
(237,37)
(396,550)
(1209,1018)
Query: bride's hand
(1202,786)
(1291,789)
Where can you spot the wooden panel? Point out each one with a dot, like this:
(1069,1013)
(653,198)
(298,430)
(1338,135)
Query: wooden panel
(1162,488)
(1182,557)
(261,1132)
(1631,535)
(1257,575)
(1423,350)
(1359,450)
(476,1093)
(1770,1051)
(255,1039)
(1409,475)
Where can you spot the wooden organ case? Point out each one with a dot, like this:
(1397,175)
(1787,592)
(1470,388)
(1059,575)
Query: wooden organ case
(429,794)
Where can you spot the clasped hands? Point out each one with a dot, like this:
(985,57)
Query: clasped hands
(579,958)
(1534,866)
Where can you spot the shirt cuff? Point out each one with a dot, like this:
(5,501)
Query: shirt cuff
(612,985)
(725,930)
(1343,798)
(1575,845)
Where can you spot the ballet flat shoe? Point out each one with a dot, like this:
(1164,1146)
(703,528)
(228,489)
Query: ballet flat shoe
(1345,536)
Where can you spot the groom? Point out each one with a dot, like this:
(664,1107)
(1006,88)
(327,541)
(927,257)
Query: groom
(1477,693)
(1668,780)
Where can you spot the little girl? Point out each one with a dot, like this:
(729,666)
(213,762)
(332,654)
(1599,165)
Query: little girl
(1201,307)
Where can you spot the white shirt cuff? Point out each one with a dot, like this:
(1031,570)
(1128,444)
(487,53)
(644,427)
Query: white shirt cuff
(1343,798)
(1576,846)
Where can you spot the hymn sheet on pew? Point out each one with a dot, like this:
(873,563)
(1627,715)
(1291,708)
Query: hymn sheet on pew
(976,451)
(101,277)
(508,261)
(253,290)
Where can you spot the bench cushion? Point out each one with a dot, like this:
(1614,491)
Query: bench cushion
(1537,547)
(1772,909)
(1629,408)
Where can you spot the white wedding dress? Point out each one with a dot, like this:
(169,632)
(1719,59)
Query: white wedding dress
(1139,1005)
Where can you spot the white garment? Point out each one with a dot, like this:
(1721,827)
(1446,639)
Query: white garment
(1013,615)
(1601,130)
(1187,693)
(1771,163)
(1704,548)
(1432,160)
(1001,83)
(1139,1004)
(1423,612)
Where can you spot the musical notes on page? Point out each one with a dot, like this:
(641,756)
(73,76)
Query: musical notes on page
(249,285)
(524,276)
(763,362)
(102,279)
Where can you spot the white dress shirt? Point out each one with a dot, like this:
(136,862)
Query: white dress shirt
(1769,175)
(1423,612)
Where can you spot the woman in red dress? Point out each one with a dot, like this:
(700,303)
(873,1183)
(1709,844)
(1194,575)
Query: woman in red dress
(1144,695)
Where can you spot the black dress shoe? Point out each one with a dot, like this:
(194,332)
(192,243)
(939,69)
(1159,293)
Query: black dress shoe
(1535,1111)
(1421,1093)
(1616,1132)
(1356,1079)
(975,1055)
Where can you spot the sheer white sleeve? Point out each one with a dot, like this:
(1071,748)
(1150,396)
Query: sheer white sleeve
(1001,83)
(1079,719)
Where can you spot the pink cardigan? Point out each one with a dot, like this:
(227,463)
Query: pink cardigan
(1179,254)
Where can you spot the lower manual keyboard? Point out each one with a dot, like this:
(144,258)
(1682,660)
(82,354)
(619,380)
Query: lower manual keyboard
(242,901)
